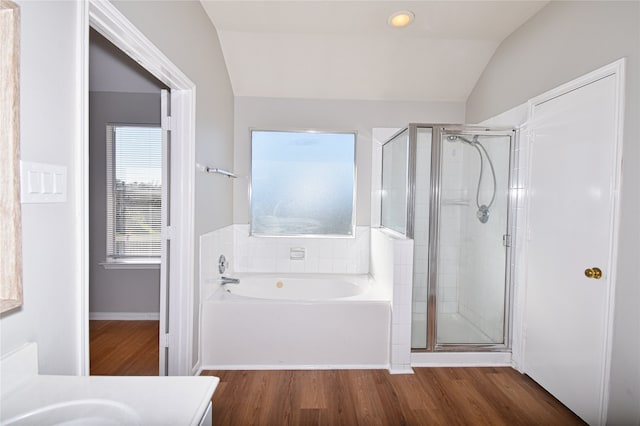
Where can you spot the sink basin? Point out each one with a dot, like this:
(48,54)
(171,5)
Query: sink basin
(98,412)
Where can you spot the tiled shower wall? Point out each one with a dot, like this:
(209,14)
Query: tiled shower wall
(454,199)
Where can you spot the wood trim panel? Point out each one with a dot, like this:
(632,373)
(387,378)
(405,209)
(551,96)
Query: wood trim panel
(10,219)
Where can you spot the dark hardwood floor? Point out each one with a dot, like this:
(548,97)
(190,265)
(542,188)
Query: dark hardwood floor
(123,348)
(432,396)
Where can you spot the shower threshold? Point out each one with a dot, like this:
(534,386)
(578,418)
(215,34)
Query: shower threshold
(453,328)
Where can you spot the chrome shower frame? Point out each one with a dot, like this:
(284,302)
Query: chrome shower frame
(438,130)
(434,238)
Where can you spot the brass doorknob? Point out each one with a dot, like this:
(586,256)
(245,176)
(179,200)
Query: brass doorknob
(595,273)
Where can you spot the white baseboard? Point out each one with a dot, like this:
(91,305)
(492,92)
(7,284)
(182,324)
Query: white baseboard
(401,370)
(125,316)
(296,367)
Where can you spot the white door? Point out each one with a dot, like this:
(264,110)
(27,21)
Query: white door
(574,176)
(165,226)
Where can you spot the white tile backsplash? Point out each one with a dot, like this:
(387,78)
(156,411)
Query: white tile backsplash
(322,255)
(212,245)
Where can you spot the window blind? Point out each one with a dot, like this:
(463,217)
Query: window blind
(134,191)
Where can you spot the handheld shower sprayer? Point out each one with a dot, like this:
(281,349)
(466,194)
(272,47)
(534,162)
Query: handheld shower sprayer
(483,209)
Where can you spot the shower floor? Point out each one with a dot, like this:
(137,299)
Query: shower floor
(452,328)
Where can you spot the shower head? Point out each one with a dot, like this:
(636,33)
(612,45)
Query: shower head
(458,138)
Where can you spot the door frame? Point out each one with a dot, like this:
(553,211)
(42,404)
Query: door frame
(617,70)
(112,24)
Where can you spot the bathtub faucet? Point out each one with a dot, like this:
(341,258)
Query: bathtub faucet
(229,280)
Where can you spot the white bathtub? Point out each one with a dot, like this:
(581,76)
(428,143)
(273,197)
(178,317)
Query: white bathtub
(276,321)
(299,287)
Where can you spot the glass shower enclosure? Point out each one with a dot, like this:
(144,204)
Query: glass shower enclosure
(448,188)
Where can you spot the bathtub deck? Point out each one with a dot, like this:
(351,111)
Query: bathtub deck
(432,396)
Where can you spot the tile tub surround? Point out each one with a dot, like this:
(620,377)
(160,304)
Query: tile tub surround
(273,254)
(212,245)
(392,268)
(349,255)
(388,258)
(245,253)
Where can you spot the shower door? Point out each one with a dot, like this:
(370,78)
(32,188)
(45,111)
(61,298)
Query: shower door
(470,239)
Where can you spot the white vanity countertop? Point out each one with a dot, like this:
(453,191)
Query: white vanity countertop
(27,397)
(156,400)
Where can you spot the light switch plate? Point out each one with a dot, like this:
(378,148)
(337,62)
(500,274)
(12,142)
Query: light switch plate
(42,183)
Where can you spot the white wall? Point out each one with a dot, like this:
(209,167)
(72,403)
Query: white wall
(362,116)
(183,32)
(563,41)
(50,126)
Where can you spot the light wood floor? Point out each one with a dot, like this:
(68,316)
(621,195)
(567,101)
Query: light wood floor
(431,396)
(123,348)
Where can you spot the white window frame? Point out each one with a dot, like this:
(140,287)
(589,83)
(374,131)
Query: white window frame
(114,261)
(353,197)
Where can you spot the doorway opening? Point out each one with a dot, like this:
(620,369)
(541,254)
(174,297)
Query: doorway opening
(126,183)
(175,337)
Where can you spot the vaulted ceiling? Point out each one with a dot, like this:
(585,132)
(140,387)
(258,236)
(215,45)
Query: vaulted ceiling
(346,50)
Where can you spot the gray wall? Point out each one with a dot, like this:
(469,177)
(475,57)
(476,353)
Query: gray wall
(183,32)
(111,70)
(563,41)
(116,290)
(362,116)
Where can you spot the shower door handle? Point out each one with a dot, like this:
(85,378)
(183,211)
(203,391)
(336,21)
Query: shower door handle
(595,273)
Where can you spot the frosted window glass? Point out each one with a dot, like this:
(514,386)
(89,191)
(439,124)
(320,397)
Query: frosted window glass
(302,183)
(395,159)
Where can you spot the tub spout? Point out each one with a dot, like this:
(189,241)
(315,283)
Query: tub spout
(229,280)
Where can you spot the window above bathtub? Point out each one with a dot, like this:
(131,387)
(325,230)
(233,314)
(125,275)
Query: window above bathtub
(302,183)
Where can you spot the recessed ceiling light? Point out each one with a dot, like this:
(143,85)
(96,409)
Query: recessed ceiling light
(400,19)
